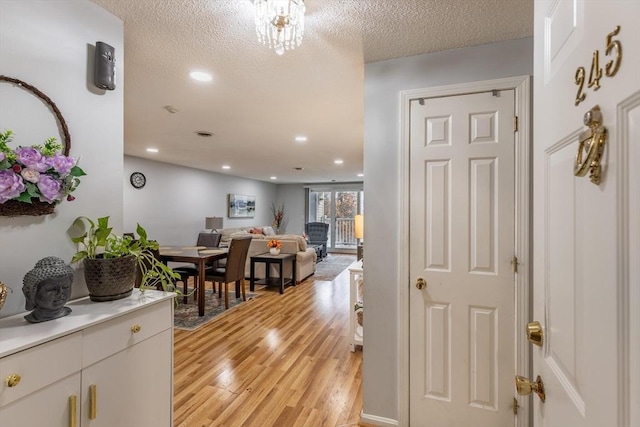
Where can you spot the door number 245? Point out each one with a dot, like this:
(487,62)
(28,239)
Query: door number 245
(613,48)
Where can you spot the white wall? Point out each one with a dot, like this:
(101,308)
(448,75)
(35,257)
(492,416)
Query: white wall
(173,204)
(50,46)
(293,197)
(383,82)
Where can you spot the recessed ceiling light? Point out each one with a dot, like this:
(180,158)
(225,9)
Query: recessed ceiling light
(226,167)
(200,76)
(338,161)
(301,138)
(152,150)
(274,177)
(204,133)
(360,174)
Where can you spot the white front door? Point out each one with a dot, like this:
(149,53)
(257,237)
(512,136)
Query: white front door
(462,209)
(586,236)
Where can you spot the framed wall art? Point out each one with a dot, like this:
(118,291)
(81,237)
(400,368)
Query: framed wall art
(241,206)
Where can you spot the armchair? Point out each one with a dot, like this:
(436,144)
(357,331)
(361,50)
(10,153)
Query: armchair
(318,234)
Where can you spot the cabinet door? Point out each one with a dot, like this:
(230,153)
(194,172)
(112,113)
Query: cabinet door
(133,387)
(49,406)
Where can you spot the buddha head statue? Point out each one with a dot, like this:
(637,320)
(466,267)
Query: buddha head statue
(47,288)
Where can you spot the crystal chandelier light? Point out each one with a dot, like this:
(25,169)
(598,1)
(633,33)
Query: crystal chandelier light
(279,23)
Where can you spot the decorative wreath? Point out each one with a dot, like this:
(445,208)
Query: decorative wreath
(17,208)
(56,111)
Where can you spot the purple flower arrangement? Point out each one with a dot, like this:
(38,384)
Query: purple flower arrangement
(39,172)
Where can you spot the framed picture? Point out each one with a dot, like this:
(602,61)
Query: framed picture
(241,206)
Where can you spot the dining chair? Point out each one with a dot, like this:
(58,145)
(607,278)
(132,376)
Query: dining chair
(210,240)
(233,271)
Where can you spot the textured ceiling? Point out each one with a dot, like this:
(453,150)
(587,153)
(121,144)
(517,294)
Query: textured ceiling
(258,101)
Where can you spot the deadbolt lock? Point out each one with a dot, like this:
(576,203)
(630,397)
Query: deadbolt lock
(534,333)
(525,387)
(421,283)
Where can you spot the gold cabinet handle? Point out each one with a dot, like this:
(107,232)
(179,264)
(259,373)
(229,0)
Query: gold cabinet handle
(12,380)
(421,283)
(72,411)
(535,334)
(525,387)
(136,328)
(93,402)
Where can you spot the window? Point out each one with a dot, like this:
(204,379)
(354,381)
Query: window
(337,206)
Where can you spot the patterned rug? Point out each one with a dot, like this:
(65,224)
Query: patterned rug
(332,265)
(185,316)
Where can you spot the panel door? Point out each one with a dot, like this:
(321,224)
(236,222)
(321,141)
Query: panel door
(585,234)
(462,223)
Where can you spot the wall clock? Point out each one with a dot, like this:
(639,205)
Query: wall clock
(138,180)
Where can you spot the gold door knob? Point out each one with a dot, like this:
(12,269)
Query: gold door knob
(421,283)
(12,380)
(525,387)
(135,329)
(534,333)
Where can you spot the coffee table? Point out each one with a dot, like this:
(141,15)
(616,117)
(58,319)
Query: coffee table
(278,260)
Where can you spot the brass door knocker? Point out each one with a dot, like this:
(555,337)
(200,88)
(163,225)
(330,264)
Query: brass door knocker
(592,145)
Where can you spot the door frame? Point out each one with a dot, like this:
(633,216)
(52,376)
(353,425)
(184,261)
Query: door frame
(522,87)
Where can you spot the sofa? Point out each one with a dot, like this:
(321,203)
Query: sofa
(306,257)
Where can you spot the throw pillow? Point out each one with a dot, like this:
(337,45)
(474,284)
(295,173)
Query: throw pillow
(268,231)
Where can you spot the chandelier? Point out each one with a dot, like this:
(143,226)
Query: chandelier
(279,23)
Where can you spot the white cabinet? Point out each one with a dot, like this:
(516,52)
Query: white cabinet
(356,275)
(130,388)
(111,361)
(49,406)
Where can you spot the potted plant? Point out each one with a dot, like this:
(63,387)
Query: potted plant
(358,307)
(279,222)
(111,261)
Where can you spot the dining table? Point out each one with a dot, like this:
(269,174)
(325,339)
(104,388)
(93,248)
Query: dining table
(198,255)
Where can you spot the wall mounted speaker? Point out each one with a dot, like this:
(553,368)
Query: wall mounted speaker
(104,74)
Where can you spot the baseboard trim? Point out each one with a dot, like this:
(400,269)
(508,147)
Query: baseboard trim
(378,421)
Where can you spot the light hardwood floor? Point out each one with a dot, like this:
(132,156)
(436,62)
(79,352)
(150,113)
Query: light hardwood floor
(278,360)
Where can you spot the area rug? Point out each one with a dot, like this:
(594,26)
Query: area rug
(185,316)
(332,265)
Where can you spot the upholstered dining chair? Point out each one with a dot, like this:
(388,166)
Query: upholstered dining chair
(318,234)
(210,240)
(233,271)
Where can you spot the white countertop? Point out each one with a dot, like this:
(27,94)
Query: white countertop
(17,334)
